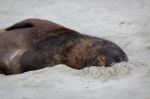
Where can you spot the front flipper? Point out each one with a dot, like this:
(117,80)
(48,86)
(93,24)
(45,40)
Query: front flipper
(20,25)
(33,22)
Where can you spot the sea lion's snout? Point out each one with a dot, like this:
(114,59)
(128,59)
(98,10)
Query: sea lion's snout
(111,54)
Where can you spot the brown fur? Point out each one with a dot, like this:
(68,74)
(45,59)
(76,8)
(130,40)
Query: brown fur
(34,44)
(78,54)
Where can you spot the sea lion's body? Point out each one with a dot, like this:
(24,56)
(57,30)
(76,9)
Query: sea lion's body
(34,44)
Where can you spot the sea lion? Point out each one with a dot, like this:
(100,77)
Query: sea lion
(36,43)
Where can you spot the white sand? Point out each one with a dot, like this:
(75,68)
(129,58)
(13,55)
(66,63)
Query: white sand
(125,22)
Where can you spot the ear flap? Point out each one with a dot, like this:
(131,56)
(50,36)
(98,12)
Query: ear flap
(101,61)
(20,25)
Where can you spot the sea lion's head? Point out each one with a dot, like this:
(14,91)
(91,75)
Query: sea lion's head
(110,55)
(107,55)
